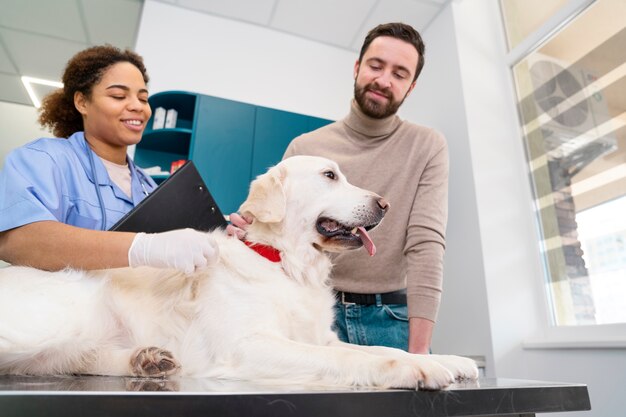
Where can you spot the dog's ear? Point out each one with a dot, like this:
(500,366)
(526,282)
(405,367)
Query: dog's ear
(266,201)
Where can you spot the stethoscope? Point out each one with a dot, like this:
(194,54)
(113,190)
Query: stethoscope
(92,164)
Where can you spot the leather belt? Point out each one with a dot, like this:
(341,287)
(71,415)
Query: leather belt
(395,297)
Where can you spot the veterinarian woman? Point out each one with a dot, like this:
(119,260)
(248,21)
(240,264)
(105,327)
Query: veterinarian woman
(59,196)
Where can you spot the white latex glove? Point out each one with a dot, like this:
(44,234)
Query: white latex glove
(186,250)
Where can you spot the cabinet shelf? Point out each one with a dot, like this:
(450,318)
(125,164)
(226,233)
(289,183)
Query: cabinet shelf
(174,140)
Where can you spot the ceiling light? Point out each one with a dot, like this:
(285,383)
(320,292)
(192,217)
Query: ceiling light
(30,81)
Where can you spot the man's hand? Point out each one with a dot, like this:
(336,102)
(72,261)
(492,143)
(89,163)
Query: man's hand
(186,250)
(238,226)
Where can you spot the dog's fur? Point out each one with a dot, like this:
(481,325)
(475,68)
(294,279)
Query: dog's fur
(244,317)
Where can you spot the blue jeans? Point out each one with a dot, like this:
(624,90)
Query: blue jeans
(373,325)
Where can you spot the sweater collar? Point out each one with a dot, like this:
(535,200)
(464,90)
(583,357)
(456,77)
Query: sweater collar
(368,126)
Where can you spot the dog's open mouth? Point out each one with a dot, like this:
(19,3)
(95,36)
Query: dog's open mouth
(351,235)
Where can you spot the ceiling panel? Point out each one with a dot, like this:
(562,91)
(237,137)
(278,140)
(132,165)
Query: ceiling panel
(39,56)
(59,18)
(112,21)
(255,11)
(5,62)
(41,90)
(13,90)
(328,21)
(416,13)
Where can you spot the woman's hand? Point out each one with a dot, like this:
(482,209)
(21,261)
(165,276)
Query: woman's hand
(187,250)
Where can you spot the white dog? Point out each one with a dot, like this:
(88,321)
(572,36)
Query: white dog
(244,317)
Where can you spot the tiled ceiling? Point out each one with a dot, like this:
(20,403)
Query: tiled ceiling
(37,37)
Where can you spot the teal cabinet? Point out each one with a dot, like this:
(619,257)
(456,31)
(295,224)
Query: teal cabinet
(222,149)
(230,142)
(273,130)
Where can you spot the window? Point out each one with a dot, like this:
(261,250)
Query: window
(571,87)
(523,17)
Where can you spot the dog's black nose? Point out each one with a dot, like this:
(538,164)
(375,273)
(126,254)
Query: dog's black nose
(383,204)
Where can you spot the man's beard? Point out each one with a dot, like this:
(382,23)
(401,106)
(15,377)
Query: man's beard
(373,108)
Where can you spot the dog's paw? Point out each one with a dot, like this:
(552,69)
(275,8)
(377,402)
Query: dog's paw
(462,368)
(416,373)
(431,374)
(154,362)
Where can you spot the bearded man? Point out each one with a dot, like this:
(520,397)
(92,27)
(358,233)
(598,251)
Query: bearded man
(391,299)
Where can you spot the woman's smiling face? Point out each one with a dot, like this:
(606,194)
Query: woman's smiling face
(116,113)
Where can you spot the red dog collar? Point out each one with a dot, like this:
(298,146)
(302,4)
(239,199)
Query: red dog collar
(268,252)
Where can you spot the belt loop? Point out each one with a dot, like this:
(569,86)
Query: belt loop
(343,299)
(379,300)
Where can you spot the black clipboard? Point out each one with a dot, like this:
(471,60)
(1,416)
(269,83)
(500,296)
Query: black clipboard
(182,200)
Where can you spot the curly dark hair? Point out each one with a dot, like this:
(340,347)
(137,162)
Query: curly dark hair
(400,31)
(82,72)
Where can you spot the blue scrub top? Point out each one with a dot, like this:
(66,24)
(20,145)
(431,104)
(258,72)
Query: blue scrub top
(53,179)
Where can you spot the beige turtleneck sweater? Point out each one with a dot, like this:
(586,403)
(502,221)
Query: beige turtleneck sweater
(408,165)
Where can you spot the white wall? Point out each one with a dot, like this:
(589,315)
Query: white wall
(502,192)
(510,241)
(239,61)
(19,126)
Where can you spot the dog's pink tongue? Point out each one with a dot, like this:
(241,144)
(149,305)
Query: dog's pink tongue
(367,241)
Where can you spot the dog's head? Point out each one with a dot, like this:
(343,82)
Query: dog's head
(308,198)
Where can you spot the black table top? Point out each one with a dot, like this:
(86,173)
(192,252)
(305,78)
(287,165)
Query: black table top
(126,396)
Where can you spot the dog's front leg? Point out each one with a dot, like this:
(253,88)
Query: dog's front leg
(146,362)
(460,367)
(275,358)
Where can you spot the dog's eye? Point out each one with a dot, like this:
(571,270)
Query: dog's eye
(330,174)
